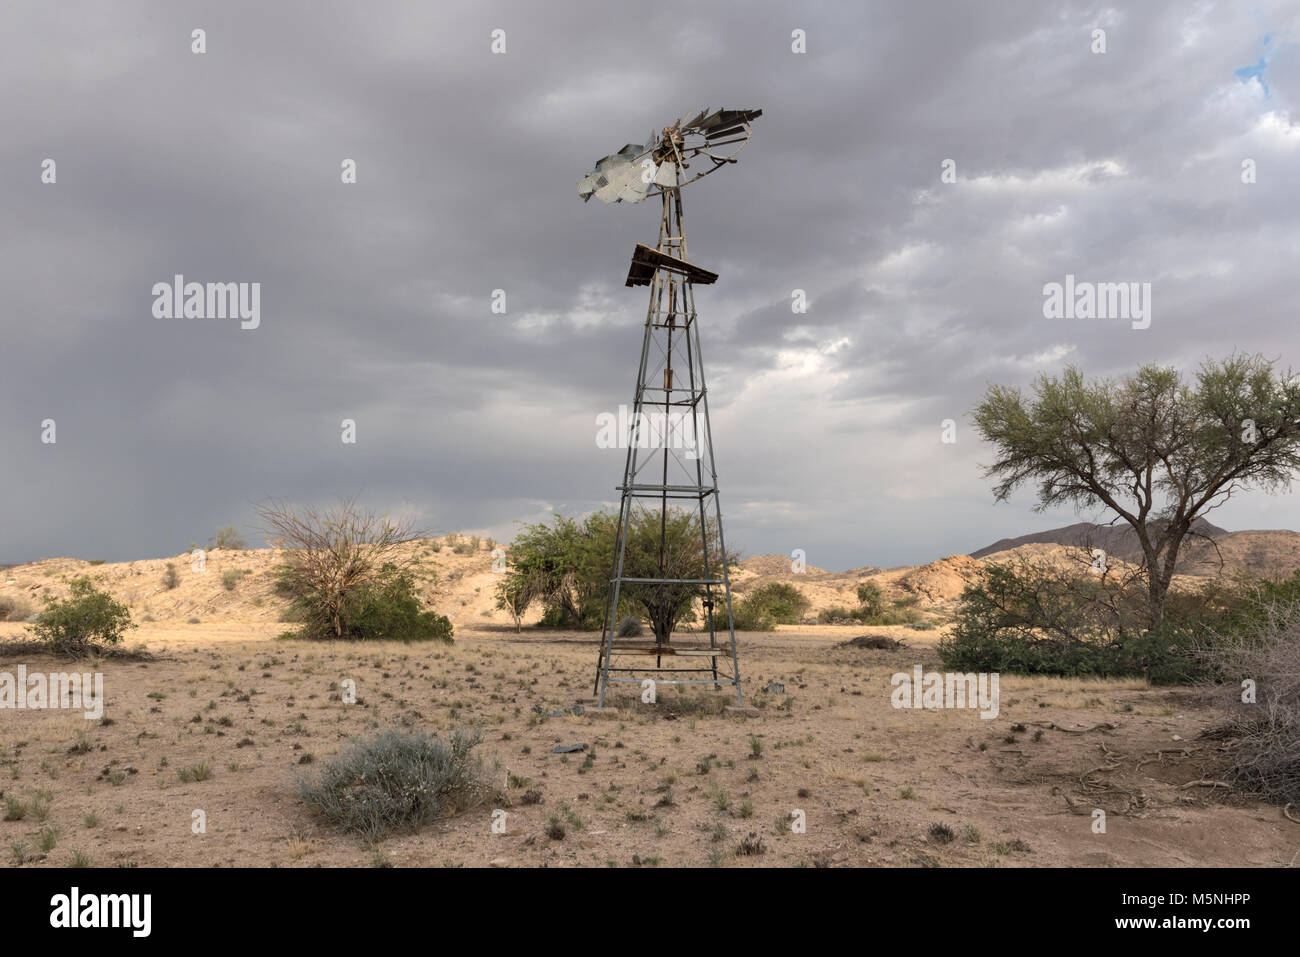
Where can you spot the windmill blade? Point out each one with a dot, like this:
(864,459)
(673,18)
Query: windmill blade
(666,175)
(685,124)
(617,177)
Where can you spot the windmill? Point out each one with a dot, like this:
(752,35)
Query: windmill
(669,557)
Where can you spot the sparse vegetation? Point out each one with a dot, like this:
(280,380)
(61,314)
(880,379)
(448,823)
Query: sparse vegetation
(229,538)
(230,578)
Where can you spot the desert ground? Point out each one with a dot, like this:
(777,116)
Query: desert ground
(682,782)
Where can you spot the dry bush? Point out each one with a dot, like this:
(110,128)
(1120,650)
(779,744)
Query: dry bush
(15,608)
(1266,651)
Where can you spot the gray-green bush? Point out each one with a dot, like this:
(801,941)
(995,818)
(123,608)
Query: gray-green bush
(398,782)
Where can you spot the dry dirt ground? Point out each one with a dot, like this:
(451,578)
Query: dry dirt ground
(680,783)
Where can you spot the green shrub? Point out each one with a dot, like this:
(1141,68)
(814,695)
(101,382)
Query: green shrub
(629,626)
(86,619)
(286,582)
(871,598)
(765,607)
(170,579)
(386,609)
(1026,619)
(398,782)
(782,603)
(745,616)
(230,578)
(838,615)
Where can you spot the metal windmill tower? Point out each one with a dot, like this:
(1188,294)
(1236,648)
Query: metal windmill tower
(658,561)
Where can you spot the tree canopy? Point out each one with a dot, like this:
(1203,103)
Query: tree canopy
(1155,450)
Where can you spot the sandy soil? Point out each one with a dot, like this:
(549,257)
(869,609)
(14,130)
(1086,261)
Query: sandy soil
(674,784)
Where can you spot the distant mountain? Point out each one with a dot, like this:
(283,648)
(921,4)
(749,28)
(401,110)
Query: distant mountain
(1251,554)
(1118,540)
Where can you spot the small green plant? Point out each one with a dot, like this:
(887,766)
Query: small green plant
(41,804)
(1016,845)
(84,621)
(941,833)
(48,838)
(751,845)
(195,772)
(170,577)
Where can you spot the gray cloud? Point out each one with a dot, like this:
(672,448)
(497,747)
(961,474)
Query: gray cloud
(375,297)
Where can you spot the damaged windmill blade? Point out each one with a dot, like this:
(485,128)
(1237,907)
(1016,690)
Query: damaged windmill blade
(688,150)
(677,570)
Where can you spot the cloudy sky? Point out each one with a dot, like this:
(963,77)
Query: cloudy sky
(376,296)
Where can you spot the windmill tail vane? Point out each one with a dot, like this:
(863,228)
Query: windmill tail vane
(670,557)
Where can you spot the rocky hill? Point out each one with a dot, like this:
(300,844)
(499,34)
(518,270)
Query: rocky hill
(1119,540)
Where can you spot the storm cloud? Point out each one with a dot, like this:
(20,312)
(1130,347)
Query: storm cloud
(1122,166)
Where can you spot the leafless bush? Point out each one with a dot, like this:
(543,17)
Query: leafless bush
(1260,663)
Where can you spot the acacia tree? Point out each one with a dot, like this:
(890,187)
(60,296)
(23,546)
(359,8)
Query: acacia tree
(518,591)
(558,564)
(566,565)
(667,545)
(1156,451)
